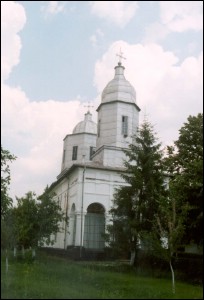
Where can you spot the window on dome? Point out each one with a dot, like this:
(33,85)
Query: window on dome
(74,153)
(125,125)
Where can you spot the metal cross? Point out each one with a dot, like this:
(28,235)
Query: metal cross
(120,56)
(89,106)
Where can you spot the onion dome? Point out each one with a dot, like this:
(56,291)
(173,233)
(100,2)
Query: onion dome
(86,126)
(119,88)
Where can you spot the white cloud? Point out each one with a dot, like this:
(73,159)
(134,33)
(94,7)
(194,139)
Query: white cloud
(93,40)
(96,37)
(33,131)
(13,19)
(182,15)
(117,12)
(53,8)
(167,90)
(155,32)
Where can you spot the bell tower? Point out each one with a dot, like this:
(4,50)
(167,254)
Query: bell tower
(118,119)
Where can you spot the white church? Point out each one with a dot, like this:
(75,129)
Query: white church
(92,162)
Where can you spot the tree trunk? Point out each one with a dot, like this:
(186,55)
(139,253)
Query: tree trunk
(173,280)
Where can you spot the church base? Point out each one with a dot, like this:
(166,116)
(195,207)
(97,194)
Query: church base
(76,253)
(81,253)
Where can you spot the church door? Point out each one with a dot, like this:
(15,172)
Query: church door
(94,227)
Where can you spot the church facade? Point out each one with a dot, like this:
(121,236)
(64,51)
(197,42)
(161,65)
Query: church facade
(92,162)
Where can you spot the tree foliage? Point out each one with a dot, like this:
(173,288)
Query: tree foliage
(51,217)
(26,220)
(147,214)
(136,204)
(185,161)
(36,219)
(169,226)
(179,218)
(6,201)
(8,238)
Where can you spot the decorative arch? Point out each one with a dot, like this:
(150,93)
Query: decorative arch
(96,208)
(94,227)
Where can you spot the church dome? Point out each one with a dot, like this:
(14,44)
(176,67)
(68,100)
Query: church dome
(86,126)
(119,88)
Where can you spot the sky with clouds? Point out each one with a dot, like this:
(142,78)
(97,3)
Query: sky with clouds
(56,56)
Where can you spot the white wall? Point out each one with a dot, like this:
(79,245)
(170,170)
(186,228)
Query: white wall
(84,141)
(99,186)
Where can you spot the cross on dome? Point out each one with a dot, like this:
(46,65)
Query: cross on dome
(88,106)
(120,55)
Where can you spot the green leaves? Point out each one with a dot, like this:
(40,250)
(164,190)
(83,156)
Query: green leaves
(136,204)
(6,201)
(145,205)
(50,216)
(185,160)
(37,219)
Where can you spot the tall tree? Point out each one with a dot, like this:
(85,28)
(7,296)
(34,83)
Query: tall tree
(179,218)
(190,158)
(6,201)
(169,225)
(186,165)
(136,205)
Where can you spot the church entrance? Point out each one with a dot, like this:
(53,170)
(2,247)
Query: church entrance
(94,227)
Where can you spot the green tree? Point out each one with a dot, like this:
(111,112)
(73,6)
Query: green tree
(190,158)
(169,226)
(6,201)
(135,205)
(8,238)
(51,217)
(26,220)
(185,162)
(37,219)
(179,218)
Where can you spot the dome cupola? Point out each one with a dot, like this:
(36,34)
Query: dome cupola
(86,126)
(119,88)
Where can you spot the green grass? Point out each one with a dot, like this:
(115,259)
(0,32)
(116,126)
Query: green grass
(58,278)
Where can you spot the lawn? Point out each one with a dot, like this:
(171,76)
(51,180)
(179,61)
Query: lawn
(51,277)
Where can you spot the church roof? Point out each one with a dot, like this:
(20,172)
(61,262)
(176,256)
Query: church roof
(90,165)
(119,88)
(86,126)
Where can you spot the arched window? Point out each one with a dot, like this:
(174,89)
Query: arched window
(95,208)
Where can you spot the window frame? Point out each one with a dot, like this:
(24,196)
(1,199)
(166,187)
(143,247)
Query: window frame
(74,152)
(124,128)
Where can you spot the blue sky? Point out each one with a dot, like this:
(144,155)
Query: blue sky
(58,55)
(57,48)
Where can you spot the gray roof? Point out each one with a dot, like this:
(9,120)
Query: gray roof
(86,126)
(119,88)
